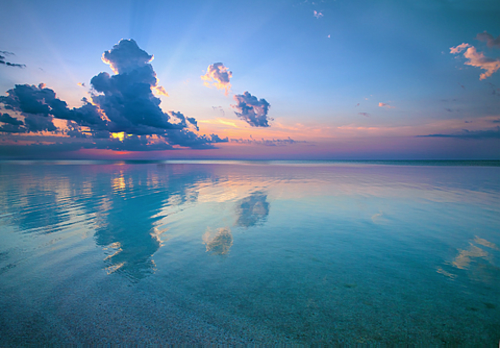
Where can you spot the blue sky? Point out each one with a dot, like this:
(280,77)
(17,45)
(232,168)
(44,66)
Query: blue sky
(344,79)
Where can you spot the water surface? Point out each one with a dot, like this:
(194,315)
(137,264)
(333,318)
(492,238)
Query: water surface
(239,252)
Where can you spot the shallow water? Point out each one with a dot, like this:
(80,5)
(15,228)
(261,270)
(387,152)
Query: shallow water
(239,252)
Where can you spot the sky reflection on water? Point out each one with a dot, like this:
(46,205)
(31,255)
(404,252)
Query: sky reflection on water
(240,253)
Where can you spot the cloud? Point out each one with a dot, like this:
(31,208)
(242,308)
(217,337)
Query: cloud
(121,104)
(216,139)
(317,14)
(31,123)
(126,57)
(268,142)
(35,123)
(221,76)
(384,105)
(252,110)
(489,39)
(6,118)
(478,59)
(459,48)
(364,114)
(3,61)
(496,121)
(185,120)
(36,102)
(467,134)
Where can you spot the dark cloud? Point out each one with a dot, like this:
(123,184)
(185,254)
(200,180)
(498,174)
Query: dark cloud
(3,60)
(267,142)
(11,124)
(489,39)
(364,114)
(216,139)
(126,57)
(40,101)
(35,123)
(123,113)
(128,101)
(6,118)
(185,120)
(496,121)
(467,134)
(10,128)
(253,209)
(252,110)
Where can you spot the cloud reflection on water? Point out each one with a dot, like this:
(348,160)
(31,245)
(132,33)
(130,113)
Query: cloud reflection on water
(253,209)
(218,242)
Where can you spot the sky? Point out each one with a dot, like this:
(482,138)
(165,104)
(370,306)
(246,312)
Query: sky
(283,79)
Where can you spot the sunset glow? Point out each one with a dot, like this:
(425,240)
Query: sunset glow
(254,89)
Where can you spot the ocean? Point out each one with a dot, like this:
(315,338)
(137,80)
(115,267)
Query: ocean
(250,252)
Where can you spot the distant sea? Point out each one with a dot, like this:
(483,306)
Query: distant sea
(250,252)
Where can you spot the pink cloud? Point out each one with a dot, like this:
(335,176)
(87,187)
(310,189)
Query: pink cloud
(384,105)
(317,14)
(478,59)
(220,74)
(459,48)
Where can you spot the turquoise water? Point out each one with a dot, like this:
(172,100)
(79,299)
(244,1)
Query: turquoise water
(250,252)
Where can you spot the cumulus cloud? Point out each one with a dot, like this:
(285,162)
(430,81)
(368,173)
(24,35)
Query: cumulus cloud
(317,14)
(477,59)
(489,39)
(40,105)
(252,110)
(385,105)
(467,134)
(220,75)
(3,60)
(121,104)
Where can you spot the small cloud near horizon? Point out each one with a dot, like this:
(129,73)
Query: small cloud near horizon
(385,105)
(467,134)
